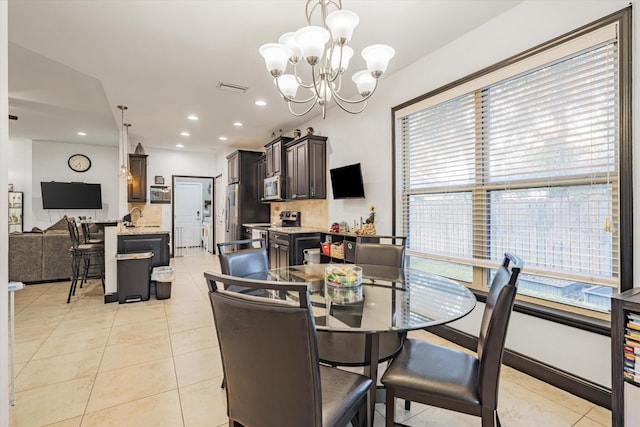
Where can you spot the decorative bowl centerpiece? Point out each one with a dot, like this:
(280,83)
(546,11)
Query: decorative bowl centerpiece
(343,283)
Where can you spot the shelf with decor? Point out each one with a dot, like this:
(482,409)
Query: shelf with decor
(16,211)
(341,246)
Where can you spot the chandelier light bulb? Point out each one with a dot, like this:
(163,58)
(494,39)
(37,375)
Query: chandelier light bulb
(364,81)
(288,39)
(275,57)
(341,23)
(347,54)
(312,40)
(377,57)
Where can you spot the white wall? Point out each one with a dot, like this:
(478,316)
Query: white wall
(367,138)
(4,232)
(49,161)
(167,163)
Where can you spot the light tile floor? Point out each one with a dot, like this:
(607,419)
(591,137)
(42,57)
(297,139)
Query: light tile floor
(156,363)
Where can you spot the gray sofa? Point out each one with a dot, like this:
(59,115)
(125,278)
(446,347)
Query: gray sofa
(40,255)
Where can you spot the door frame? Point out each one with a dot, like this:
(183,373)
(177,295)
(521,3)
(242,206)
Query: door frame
(173,204)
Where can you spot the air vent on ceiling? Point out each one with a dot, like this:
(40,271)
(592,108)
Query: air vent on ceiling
(231,87)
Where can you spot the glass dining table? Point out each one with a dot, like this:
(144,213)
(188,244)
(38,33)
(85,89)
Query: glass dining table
(389,300)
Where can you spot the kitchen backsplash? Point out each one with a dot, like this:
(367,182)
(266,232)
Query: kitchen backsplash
(315,213)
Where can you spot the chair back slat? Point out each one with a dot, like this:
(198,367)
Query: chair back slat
(267,345)
(493,329)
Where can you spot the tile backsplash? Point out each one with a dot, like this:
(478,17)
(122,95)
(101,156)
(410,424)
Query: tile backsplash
(314,213)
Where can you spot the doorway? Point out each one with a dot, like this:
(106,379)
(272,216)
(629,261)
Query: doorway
(192,221)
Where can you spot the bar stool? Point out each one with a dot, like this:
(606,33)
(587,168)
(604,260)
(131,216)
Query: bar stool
(86,231)
(82,255)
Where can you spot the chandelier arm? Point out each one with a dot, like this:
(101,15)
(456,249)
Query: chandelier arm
(295,73)
(357,101)
(304,112)
(296,101)
(344,108)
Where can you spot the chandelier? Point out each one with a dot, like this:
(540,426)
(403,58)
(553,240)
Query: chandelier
(325,48)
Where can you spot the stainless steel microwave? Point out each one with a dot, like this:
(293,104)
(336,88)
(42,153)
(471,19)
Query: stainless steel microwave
(273,188)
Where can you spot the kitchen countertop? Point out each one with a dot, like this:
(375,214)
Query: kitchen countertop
(295,230)
(258,225)
(148,229)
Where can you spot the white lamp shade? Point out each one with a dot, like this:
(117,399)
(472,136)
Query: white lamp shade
(288,84)
(288,39)
(377,57)
(312,40)
(364,81)
(342,23)
(347,54)
(275,57)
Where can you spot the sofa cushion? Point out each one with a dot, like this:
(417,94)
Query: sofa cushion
(56,255)
(25,257)
(60,225)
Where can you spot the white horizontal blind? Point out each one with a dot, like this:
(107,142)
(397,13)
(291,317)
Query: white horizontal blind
(526,165)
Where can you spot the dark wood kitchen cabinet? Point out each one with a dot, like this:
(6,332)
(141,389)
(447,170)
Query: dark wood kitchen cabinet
(233,168)
(286,249)
(306,168)
(274,152)
(137,185)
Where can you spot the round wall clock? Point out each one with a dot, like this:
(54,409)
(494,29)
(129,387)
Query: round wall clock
(79,163)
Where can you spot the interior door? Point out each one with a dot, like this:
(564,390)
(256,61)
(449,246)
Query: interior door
(188,213)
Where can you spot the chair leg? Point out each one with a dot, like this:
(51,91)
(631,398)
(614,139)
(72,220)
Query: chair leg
(361,419)
(490,418)
(407,405)
(75,272)
(390,401)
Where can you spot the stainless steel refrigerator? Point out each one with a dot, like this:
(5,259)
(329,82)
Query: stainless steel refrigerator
(232,230)
(242,204)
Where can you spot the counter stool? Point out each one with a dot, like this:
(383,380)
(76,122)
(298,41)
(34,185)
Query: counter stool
(86,232)
(82,255)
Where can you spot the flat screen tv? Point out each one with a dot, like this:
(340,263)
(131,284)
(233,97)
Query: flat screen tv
(71,195)
(346,182)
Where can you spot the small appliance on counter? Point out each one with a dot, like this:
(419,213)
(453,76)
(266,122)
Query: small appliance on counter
(290,219)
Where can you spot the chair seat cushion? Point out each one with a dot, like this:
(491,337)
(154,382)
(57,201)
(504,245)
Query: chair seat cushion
(434,372)
(341,390)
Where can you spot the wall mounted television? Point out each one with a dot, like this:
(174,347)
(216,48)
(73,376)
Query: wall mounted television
(71,195)
(346,182)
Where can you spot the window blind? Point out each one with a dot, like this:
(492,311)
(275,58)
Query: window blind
(527,164)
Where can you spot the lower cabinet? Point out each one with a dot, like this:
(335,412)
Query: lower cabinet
(156,243)
(286,249)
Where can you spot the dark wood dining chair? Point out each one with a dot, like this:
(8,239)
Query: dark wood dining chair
(270,360)
(244,260)
(87,259)
(348,349)
(452,379)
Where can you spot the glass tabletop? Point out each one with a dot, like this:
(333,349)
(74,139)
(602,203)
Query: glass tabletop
(389,299)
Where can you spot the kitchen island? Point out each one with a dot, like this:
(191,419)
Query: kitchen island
(121,239)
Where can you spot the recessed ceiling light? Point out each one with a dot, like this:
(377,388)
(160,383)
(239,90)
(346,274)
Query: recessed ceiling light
(81,134)
(223,138)
(261,103)
(185,133)
(192,117)
(180,145)
(238,124)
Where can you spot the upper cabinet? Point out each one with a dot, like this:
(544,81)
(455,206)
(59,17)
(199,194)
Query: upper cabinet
(233,168)
(274,152)
(306,168)
(137,185)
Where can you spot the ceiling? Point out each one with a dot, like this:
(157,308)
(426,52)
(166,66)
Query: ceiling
(72,62)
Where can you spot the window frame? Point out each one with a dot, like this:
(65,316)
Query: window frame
(571,316)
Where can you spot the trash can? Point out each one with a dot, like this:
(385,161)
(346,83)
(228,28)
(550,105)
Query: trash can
(133,276)
(163,276)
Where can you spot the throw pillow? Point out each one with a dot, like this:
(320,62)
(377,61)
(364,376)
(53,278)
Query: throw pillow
(60,225)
